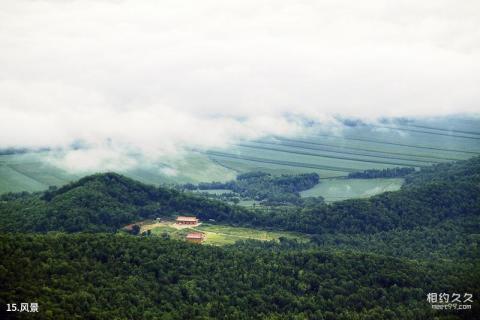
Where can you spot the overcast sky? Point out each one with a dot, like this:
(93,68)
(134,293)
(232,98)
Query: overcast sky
(155,75)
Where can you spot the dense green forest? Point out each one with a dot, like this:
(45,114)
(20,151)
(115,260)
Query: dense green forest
(373,258)
(105,276)
(105,202)
(381,173)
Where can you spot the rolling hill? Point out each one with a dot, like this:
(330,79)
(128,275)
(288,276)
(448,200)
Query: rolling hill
(447,192)
(375,258)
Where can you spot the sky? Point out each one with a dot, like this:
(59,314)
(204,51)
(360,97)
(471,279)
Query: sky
(158,77)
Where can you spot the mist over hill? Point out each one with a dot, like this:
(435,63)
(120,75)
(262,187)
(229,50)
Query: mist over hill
(331,152)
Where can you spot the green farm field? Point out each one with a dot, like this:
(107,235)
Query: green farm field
(214,191)
(222,235)
(36,171)
(359,147)
(340,189)
(405,143)
(30,172)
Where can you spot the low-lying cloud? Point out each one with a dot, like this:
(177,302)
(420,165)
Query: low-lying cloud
(159,77)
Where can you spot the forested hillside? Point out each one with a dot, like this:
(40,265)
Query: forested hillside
(105,202)
(239,160)
(124,277)
(374,258)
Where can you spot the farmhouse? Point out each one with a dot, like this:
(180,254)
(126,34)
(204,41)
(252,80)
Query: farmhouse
(195,237)
(182,220)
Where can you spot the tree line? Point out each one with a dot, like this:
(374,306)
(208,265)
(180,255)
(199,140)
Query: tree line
(262,186)
(382,173)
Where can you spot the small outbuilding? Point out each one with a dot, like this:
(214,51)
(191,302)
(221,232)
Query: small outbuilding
(195,237)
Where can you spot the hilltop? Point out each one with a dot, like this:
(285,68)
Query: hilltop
(103,202)
(373,258)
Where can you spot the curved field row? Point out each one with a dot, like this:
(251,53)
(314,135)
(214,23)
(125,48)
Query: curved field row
(392,144)
(427,132)
(277,169)
(339,157)
(296,146)
(443,129)
(295,141)
(14,181)
(278,162)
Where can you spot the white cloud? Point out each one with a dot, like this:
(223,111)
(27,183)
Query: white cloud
(158,76)
(93,159)
(169,171)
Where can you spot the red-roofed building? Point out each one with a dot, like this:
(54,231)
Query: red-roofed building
(195,237)
(186,220)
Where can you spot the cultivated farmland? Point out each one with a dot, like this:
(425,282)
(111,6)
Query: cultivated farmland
(358,148)
(330,153)
(340,189)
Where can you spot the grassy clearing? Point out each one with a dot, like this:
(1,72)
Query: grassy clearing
(222,235)
(340,189)
(249,203)
(214,191)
